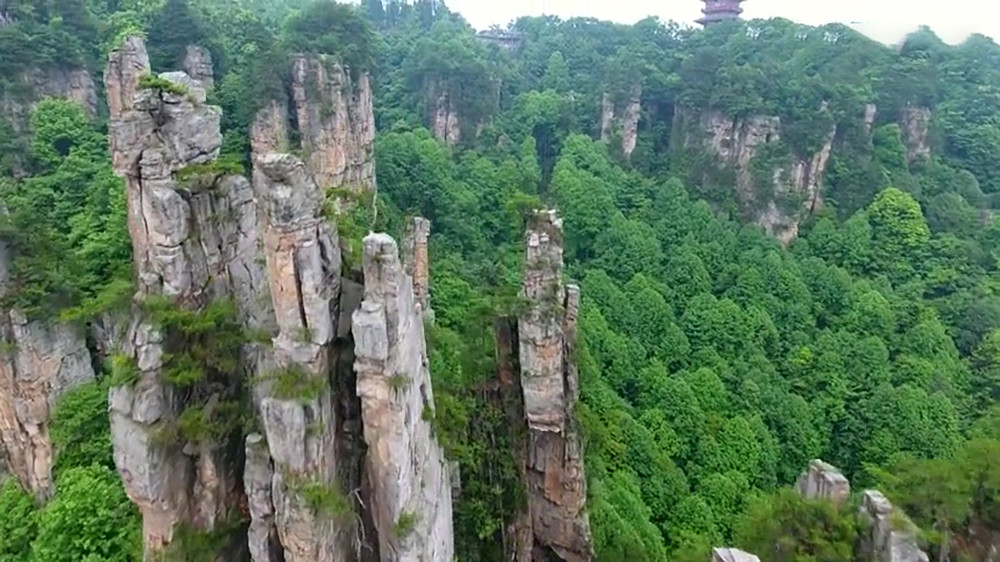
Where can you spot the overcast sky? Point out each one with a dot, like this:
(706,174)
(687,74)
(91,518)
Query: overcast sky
(885,20)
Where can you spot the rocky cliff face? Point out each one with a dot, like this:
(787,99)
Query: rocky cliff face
(823,481)
(891,536)
(333,109)
(444,119)
(38,363)
(417,263)
(732,555)
(194,239)
(409,475)
(915,124)
(794,186)
(555,523)
(626,122)
(74,84)
(198,65)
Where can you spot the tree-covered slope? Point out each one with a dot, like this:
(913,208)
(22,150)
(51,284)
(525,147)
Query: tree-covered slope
(715,362)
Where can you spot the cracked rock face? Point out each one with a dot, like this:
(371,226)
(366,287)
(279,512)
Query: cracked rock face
(556,523)
(823,481)
(915,124)
(198,65)
(737,142)
(417,262)
(627,122)
(336,122)
(891,535)
(194,240)
(411,500)
(444,120)
(38,364)
(75,85)
(732,555)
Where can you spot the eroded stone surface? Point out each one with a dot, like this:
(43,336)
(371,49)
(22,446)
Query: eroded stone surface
(626,122)
(823,481)
(891,536)
(194,240)
(552,457)
(198,65)
(336,123)
(75,85)
(417,262)
(38,364)
(732,555)
(411,486)
(915,124)
(737,142)
(445,120)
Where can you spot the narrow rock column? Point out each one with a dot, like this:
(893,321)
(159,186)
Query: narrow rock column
(198,65)
(553,468)
(417,262)
(411,500)
(313,514)
(262,536)
(194,241)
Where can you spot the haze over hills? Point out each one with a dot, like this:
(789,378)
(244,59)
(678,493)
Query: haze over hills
(887,21)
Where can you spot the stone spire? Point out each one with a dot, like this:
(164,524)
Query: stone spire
(544,382)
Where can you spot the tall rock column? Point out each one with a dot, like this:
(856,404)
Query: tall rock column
(312,513)
(411,499)
(194,238)
(627,122)
(552,458)
(333,109)
(417,262)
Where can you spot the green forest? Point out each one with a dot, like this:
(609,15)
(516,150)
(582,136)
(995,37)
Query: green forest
(715,362)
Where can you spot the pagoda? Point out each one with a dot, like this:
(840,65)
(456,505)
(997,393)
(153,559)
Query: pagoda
(720,10)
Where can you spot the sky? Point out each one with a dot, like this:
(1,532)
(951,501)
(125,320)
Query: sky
(884,20)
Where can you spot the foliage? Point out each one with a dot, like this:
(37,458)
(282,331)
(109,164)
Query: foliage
(88,498)
(80,430)
(19,525)
(161,85)
(295,383)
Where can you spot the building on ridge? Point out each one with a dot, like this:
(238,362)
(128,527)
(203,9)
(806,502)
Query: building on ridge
(720,10)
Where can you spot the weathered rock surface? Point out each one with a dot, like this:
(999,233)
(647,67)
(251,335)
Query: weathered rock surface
(915,125)
(796,189)
(336,123)
(823,481)
(38,364)
(75,85)
(411,500)
(198,65)
(269,130)
(194,240)
(262,536)
(555,525)
(626,122)
(891,535)
(300,423)
(444,119)
(732,555)
(417,262)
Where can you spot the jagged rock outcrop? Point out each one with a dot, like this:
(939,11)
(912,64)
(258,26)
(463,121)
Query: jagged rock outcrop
(336,122)
(626,123)
(76,85)
(39,362)
(890,535)
(823,481)
(871,111)
(796,184)
(198,65)
(915,125)
(732,555)
(444,119)
(417,262)
(194,239)
(262,535)
(411,499)
(555,524)
(298,413)
(269,130)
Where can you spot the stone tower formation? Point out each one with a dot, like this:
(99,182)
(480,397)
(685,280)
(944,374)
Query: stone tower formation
(340,464)
(720,10)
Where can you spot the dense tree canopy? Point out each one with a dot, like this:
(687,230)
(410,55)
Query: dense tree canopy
(714,362)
